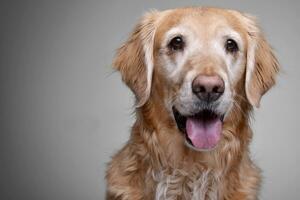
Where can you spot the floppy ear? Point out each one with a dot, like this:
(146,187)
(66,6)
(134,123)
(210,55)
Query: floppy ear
(262,65)
(134,59)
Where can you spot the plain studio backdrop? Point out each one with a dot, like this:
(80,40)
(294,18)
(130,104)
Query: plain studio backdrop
(64,112)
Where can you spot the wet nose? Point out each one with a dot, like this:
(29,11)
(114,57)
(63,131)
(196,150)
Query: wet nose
(208,88)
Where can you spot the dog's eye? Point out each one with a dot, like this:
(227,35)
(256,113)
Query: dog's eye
(231,46)
(176,43)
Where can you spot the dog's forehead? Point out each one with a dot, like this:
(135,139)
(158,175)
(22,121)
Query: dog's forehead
(202,21)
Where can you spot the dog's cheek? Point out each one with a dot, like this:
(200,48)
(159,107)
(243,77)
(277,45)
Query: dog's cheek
(166,90)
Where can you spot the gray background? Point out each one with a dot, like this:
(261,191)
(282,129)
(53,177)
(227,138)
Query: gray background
(64,113)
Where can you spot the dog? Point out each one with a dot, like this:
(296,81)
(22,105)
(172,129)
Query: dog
(197,73)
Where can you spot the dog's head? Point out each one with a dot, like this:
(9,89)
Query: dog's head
(201,60)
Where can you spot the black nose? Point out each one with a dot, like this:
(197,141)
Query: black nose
(208,88)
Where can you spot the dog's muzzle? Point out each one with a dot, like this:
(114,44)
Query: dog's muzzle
(203,129)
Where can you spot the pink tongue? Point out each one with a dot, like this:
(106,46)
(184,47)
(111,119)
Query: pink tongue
(204,134)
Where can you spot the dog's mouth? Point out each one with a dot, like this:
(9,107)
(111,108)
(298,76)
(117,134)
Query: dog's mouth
(202,131)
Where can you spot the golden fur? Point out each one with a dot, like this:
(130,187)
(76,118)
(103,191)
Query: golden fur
(155,163)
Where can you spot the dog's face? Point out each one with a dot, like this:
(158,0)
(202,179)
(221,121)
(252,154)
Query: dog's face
(201,59)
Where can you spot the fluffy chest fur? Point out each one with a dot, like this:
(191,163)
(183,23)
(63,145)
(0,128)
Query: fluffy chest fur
(180,184)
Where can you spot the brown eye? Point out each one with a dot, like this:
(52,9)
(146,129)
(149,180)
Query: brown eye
(231,46)
(176,43)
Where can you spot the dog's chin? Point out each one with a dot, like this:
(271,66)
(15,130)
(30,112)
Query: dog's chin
(202,131)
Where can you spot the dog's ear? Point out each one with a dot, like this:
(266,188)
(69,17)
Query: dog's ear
(262,65)
(134,59)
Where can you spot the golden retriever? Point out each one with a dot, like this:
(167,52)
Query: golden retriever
(196,73)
